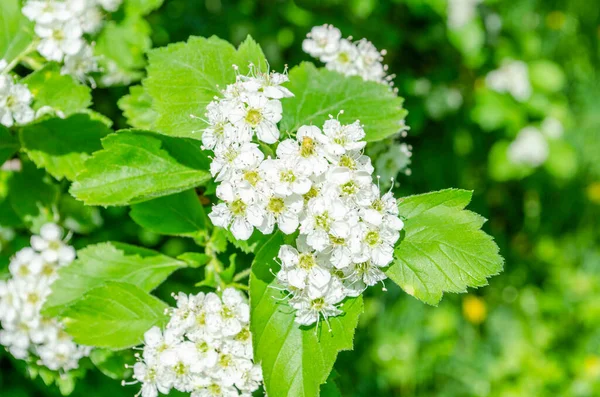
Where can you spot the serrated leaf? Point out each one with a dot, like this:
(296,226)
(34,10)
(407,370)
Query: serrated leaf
(179,214)
(100,263)
(137,166)
(137,108)
(321,92)
(114,315)
(295,360)
(9,145)
(60,92)
(184,77)
(61,146)
(443,249)
(32,195)
(16,31)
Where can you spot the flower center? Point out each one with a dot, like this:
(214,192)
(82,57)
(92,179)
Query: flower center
(322,220)
(348,162)
(48,269)
(201,319)
(337,240)
(252,177)
(238,208)
(312,193)
(372,238)
(10,101)
(180,369)
(23,271)
(287,176)
(377,205)
(362,267)
(307,148)
(202,347)
(318,304)
(225,360)
(306,261)
(33,298)
(343,57)
(243,335)
(230,155)
(58,35)
(253,117)
(227,312)
(349,188)
(276,205)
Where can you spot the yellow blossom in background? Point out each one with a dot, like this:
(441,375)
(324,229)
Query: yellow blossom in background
(474,309)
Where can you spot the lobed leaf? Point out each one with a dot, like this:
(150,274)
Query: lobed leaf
(137,166)
(443,249)
(137,108)
(114,315)
(295,359)
(184,77)
(100,263)
(321,92)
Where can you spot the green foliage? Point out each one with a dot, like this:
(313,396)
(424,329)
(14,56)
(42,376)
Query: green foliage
(443,249)
(60,92)
(141,7)
(9,145)
(178,214)
(137,166)
(16,31)
(113,363)
(61,146)
(295,359)
(137,108)
(107,262)
(320,93)
(114,315)
(184,77)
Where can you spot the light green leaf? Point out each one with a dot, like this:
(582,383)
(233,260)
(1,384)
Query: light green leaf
(141,7)
(114,315)
(62,145)
(100,263)
(115,365)
(16,31)
(184,77)
(137,108)
(295,360)
(178,214)
(321,92)
(137,166)
(443,249)
(60,92)
(32,196)
(9,145)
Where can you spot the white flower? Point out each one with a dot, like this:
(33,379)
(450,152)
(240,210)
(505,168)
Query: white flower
(373,243)
(285,177)
(318,303)
(359,276)
(321,214)
(529,148)
(58,40)
(50,244)
(382,211)
(149,374)
(302,267)
(283,212)
(220,133)
(46,11)
(322,41)
(239,212)
(15,100)
(234,157)
(305,152)
(341,138)
(511,77)
(80,64)
(232,314)
(259,115)
(269,84)
(344,60)
(110,5)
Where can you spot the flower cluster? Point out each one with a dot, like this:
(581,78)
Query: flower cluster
(511,77)
(24,331)
(62,26)
(350,58)
(531,147)
(205,350)
(320,183)
(15,102)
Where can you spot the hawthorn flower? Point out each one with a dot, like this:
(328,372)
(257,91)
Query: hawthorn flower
(373,243)
(51,246)
(342,138)
(285,178)
(234,157)
(258,114)
(59,39)
(15,102)
(304,152)
(322,213)
(211,357)
(283,212)
(318,303)
(46,12)
(269,85)
(80,64)
(358,276)
(322,41)
(344,60)
(302,267)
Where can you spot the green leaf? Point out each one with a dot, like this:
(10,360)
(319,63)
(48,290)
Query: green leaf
(32,196)
(141,7)
(295,360)
(62,145)
(114,315)
(16,31)
(184,77)
(178,214)
(137,166)
(443,249)
(100,263)
(60,92)
(113,364)
(121,48)
(194,259)
(137,108)
(321,92)
(9,145)
(78,217)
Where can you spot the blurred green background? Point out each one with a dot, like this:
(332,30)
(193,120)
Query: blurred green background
(535,330)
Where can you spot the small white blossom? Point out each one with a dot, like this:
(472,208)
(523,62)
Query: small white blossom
(322,41)
(529,148)
(511,77)
(15,102)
